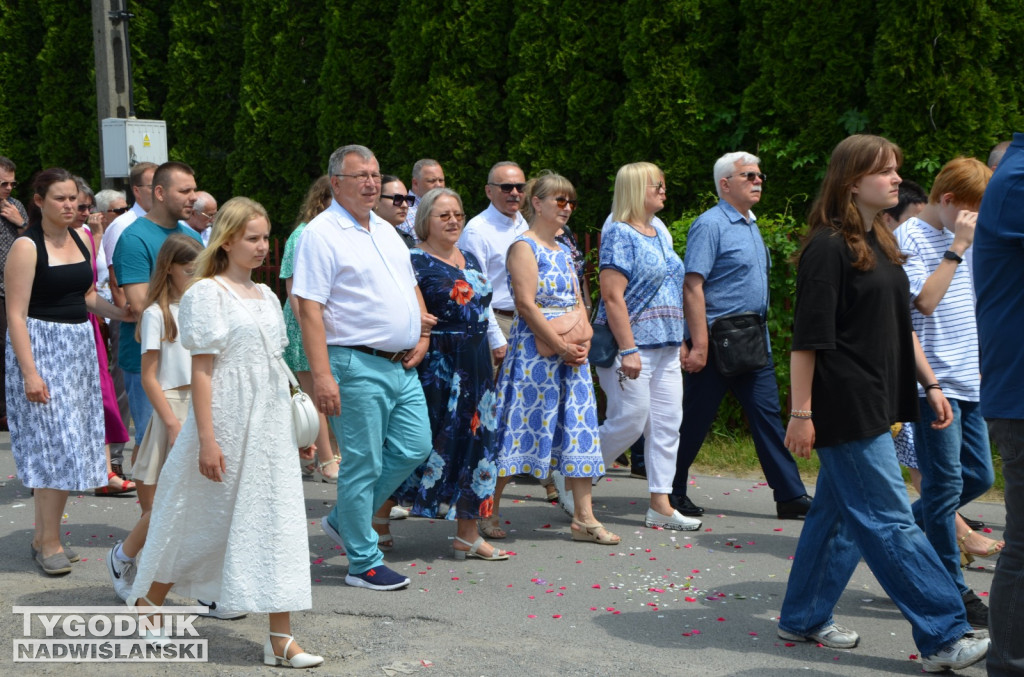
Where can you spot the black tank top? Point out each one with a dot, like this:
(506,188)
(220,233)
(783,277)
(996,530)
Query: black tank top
(58,292)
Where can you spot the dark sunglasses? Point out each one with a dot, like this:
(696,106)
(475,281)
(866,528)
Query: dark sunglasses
(119,210)
(397,199)
(9,184)
(750,176)
(85,208)
(508,187)
(563,201)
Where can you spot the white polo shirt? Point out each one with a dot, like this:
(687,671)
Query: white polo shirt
(488,235)
(116,227)
(364,279)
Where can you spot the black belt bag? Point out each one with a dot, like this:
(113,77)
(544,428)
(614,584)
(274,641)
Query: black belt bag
(739,344)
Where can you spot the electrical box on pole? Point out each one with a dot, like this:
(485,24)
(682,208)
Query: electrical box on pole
(129,142)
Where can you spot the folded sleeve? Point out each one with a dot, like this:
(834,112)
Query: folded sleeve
(617,251)
(151,328)
(202,321)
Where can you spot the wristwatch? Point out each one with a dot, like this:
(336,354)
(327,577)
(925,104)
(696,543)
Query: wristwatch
(952,256)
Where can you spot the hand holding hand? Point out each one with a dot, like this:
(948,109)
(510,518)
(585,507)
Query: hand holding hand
(696,360)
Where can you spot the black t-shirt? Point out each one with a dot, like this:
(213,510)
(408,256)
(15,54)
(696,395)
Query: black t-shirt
(858,322)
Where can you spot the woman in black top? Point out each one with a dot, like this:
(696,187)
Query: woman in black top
(55,410)
(855,357)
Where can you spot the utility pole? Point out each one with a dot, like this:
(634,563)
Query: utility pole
(113,66)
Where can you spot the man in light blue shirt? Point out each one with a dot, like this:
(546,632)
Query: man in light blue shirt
(727,268)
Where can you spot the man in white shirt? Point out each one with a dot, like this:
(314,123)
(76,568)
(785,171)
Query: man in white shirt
(489,234)
(427,174)
(364,329)
(203,213)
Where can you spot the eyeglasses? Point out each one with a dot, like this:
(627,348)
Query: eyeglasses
(399,200)
(448,216)
(750,176)
(119,210)
(209,216)
(85,209)
(509,187)
(9,184)
(364,177)
(658,187)
(562,202)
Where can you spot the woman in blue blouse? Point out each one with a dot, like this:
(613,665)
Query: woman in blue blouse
(642,304)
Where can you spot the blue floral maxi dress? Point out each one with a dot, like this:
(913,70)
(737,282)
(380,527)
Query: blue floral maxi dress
(456,376)
(547,416)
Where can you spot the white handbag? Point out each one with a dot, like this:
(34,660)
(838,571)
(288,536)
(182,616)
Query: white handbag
(305,417)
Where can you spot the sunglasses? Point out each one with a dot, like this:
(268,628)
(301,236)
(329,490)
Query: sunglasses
(119,210)
(750,176)
(562,202)
(509,187)
(398,200)
(85,209)
(9,184)
(448,216)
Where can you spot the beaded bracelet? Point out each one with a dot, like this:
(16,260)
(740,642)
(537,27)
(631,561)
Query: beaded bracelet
(802,414)
(628,351)
(802,417)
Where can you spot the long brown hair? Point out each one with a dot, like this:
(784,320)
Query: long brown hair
(834,210)
(177,249)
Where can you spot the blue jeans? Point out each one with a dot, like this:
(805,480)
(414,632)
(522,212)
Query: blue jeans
(138,404)
(1006,622)
(758,394)
(956,468)
(860,509)
(384,435)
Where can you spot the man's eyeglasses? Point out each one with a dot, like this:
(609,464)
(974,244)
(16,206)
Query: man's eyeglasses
(364,177)
(509,187)
(562,202)
(211,217)
(119,210)
(9,184)
(750,176)
(399,200)
(448,216)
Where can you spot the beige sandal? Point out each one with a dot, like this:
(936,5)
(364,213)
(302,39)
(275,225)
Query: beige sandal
(593,533)
(491,528)
(966,557)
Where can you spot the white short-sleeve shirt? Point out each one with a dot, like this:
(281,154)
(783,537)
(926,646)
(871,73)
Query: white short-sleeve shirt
(364,278)
(488,235)
(175,362)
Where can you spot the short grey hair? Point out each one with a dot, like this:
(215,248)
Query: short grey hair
(417,169)
(499,165)
(105,198)
(996,156)
(338,157)
(202,197)
(726,165)
(83,188)
(421,226)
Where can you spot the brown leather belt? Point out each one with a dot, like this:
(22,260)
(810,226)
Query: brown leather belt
(504,313)
(394,357)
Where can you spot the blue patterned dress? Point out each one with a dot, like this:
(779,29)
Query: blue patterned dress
(547,417)
(456,376)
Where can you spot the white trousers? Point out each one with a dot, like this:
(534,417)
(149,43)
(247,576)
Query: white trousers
(651,405)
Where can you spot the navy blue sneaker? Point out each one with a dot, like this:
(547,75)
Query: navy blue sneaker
(378,578)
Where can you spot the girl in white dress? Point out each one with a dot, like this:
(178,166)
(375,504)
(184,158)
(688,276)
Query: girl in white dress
(228,520)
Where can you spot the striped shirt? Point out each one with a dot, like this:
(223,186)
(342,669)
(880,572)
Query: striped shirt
(949,335)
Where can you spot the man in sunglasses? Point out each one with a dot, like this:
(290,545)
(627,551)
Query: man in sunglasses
(13,220)
(394,204)
(489,234)
(727,267)
(427,174)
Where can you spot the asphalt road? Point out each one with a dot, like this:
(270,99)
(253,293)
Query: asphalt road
(659,603)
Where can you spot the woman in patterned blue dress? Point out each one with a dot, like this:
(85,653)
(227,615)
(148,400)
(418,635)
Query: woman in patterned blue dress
(456,376)
(547,418)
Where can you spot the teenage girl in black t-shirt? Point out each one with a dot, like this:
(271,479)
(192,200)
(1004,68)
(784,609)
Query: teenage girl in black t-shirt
(854,358)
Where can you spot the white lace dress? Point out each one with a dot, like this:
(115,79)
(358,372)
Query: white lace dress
(243,542)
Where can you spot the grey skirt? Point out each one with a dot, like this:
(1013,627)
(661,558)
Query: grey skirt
(58,445)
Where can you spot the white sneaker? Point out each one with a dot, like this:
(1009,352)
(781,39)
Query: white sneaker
(833,636)
(965,651)
(399,513)
(217,611)
(676,521)
(122,574)
(565,500)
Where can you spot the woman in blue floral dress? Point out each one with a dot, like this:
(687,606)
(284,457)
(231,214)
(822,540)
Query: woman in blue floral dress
(547,417)
(456,375)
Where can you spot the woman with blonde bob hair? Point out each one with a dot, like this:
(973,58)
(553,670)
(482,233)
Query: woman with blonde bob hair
(642,304)
(547,417)
(228,520)
(855,357)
